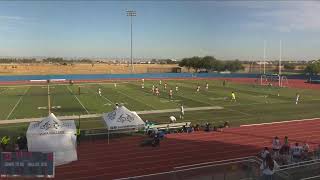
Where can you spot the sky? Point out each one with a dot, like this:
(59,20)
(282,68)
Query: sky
(161,29)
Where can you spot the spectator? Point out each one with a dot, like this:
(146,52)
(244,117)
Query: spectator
(317,152)
(286,145)
(197,127)
(184,129)
(156,140)
(5,140)
(207,127)
(190,129)
(276,145)
(268,167)
(265,152)
(226,124)
(296,152)
(305,151)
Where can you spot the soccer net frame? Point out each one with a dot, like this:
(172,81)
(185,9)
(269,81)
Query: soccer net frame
(277,80)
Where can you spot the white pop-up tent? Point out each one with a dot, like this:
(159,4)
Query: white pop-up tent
(53,135)
(122,119)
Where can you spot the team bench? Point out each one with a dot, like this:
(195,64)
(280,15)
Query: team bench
(168,127)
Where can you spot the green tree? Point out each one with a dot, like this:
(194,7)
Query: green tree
(207,62)
(289,66)
(313,68)
(233,66)
(196,63)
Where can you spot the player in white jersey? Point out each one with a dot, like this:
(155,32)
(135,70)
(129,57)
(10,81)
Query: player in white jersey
(160,82)
(165,85)
(157,91)
(181,111)
(170,93)
(142,85)
(153,89)
(177,88)
(198,88)
(115,85)
(207,86)
(297,98)
(142,81)
(99,92)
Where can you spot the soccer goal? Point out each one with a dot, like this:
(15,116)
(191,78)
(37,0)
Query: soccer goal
(268,79)
(284,81)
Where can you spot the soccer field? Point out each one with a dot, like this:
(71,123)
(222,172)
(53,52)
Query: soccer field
(255,104)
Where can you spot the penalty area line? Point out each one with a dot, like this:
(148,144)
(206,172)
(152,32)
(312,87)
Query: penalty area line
(17,103)
(78,101)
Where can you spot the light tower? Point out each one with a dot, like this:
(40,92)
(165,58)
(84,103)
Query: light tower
(131,13)
(264,57)
(280,58)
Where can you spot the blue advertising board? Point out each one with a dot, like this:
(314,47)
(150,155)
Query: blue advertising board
(27,164)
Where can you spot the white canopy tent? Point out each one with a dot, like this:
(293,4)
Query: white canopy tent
(122,119)
(53,135)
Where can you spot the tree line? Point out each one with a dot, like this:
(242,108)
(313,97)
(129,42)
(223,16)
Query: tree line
(313,68)
(209,63)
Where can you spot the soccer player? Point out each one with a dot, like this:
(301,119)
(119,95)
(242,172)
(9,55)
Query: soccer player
(177,88)
(157,91)
(224,83)
(142,85)
(153,89)
(142,81)
(160,82)
(165,85)
(181,111)
(198,88)
(207,86)
(233,96)
(115,85)
(99,91)
(297,98)
(170,94)
(117,105)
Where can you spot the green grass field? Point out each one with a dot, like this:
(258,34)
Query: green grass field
(252,105)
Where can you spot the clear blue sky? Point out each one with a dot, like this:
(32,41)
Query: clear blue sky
(168,29)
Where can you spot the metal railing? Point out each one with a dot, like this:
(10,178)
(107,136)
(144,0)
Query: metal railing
(233,169)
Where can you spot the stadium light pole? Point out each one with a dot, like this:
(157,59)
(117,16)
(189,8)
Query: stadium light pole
(280,58)
(131,13)
(264,57)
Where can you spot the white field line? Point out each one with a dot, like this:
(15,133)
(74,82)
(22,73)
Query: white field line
(17,103)
(4,90)
(57,84)
(101,96)
(100,115)
(239,112)
(78,100)
(151,106)
(136,100)
(280,122)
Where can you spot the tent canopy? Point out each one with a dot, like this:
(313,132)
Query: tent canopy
(122,118)
(53,135)
(51,125)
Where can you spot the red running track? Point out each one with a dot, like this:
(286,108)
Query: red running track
(124,157)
